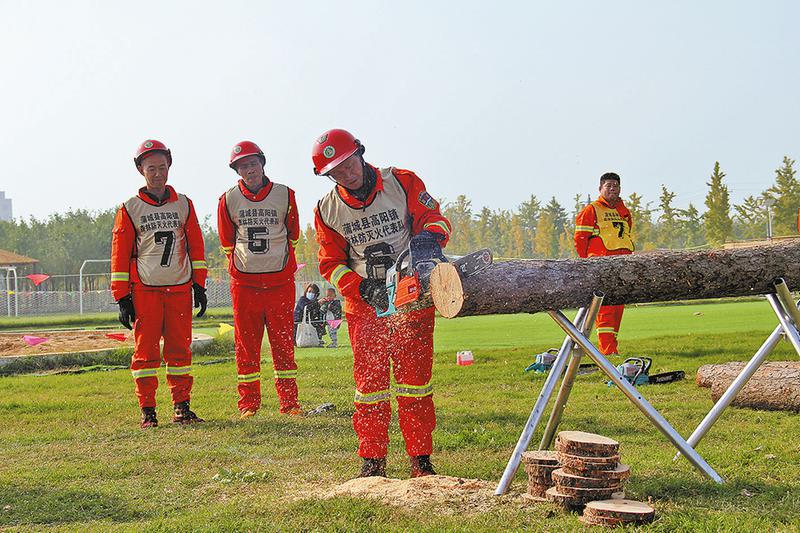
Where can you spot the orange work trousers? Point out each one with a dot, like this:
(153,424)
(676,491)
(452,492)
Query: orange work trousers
(162,312)
(402,343)
(609,318)
(254,308)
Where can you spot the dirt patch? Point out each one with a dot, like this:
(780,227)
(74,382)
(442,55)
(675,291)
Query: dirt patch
(458,494)
(62,342)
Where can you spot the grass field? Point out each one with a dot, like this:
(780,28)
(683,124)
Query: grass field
(73,457)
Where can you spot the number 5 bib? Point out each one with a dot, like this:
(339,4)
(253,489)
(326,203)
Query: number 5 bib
(262,241)
(161,256)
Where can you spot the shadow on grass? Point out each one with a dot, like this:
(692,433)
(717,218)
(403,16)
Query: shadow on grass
(27,506)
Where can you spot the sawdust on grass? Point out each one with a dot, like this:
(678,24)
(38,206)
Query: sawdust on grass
(454,494)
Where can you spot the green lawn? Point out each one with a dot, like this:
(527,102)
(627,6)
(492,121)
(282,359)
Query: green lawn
(74,458)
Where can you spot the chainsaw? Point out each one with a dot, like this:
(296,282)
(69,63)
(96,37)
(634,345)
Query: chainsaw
(544,362)
(636,371)
(408,285)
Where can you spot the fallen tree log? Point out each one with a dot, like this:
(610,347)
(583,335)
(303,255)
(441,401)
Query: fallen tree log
(530,286)
(775,386)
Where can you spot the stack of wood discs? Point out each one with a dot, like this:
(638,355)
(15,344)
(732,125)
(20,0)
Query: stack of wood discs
(613,513)
(590,469)
(539,465)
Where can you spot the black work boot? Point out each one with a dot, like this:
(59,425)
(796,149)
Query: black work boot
(148,418)
(373,467)
(421,466)
(183,415)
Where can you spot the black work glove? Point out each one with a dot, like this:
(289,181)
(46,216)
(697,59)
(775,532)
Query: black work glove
(200,298)
(373,291)
(127,314)
(426,253)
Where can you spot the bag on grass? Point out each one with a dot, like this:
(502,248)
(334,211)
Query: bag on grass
(306,332)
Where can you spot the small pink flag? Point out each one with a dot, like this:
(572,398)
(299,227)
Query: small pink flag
(301,265)
(334,323)
(117,336)
(37,279)
(31,340)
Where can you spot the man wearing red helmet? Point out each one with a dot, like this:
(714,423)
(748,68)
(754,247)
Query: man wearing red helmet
(604,228)
(258,230)
(363,224)
(157,261)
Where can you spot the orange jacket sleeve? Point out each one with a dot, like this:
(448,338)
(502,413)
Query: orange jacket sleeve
(123,239)
(293,220)
(422,207)
(225,228)
(197,252)
(585,224)
(333,259)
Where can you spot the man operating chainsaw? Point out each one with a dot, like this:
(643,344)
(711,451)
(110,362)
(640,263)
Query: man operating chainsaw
(604,228)
(370,217)
(157,262)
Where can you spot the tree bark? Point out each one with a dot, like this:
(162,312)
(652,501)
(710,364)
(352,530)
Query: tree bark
(775,386)
(530,286)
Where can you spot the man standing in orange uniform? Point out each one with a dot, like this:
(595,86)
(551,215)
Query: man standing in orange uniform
(258,229)
(362,225)
(157,261)
(604,228)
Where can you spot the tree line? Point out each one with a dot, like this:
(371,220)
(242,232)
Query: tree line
(536,228)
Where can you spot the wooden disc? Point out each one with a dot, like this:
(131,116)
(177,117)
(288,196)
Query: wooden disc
(541,480)
(604,522)
(586,444)
(538,490)
(554,495)
(628,510)
(574,464)
(563,479)
(588,494)
(446,290)
(540,457)
(540,470)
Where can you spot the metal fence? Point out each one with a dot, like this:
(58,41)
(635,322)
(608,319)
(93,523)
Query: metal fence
(21,297)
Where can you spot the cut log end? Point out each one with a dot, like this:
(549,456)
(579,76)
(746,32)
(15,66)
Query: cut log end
(446,289)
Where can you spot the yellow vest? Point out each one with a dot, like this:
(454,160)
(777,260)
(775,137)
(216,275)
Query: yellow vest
(614,231)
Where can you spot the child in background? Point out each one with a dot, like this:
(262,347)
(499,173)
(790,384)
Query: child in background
(331,309)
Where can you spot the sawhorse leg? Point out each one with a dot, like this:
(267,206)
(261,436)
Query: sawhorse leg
(569,376)
(786,326)
(633,395)
(538,409)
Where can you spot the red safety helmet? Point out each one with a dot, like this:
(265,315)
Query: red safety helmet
(243,149)
(333,147)
(151,145)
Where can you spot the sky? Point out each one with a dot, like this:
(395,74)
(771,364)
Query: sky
(496,101)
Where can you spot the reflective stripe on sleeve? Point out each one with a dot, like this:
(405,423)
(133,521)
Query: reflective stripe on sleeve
(120,276)
(441,225)
(338,273)
(584,228)
(199,265)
